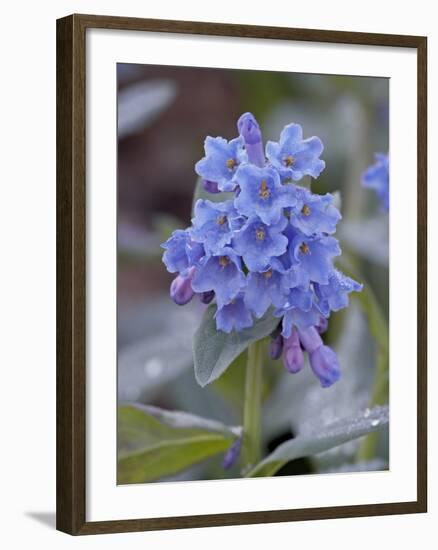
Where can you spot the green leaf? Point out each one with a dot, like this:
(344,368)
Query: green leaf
(154,443)
(201,193)
(214,350)
(333,435)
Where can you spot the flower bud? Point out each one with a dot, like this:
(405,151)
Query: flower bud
(181,290)
(249,129)
(207,297)
(276,347)
(325,365)
(310,339)
(210,186)
(293,358)
(232,454)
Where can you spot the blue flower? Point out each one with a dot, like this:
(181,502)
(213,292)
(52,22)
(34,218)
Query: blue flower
(294,157)
(298,310)
(234,315)
(376,177)
(314,213)
(262,193)
(257,243)
(181,252)
(315,256)
(267,288)
(221,161)
(222,273)
(334,295)
(270,246)
(212,224)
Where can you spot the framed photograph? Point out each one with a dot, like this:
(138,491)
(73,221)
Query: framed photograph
(241,274)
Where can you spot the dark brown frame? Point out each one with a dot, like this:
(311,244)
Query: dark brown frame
(71,266)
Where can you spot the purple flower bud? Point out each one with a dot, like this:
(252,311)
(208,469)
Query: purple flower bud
(276,347)
(232,454)
(293,358)
(210,186)
(322,326)
(181,290)
(207,297)
(325,365)
(249,129)
(310,339)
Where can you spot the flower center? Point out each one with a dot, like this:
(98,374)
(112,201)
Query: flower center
(264,191)
(221,220)
(267,274)
(231,163)
(304,248)
(289,160)
(224,261)
(305,210)
(260,234)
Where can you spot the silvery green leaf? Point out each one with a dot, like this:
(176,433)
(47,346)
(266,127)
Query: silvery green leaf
(214,350)
(154,349)
(333,435)
(375,465)
(154,443)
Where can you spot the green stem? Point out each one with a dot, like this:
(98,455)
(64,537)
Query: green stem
(251,449)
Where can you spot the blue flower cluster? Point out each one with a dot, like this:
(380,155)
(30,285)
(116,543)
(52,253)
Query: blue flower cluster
(270,246)
(376,177)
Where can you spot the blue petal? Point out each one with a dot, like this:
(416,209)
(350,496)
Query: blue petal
(233,315)
(292,133)
(222,274)
(211,224)
(175,255)
(215,165)
(257,243)
(262,194)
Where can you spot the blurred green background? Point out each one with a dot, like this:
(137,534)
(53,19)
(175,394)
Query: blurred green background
(164,115)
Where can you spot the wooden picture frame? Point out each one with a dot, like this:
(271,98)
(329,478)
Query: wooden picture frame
(71,273)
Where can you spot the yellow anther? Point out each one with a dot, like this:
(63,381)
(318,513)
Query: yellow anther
(305,210)
(264,192)
(260,234)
